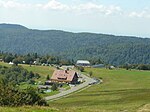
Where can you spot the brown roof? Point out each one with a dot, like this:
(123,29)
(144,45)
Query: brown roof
(63,75)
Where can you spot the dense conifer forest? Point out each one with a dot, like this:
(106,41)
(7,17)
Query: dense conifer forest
(116,50)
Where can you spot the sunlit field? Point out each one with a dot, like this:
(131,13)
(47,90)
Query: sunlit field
(121,90)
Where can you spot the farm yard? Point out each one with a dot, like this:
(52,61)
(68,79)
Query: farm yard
(121,90)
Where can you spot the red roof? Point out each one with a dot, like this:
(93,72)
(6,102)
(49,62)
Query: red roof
(63,75)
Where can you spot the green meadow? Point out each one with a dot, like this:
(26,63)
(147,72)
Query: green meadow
(121,91)
(28,109)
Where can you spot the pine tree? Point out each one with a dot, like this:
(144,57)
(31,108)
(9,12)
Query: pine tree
(48,78)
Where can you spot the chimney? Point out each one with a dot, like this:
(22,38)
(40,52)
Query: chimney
(66,71)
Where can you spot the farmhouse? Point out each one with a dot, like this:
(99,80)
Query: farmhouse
(83,63)
(68,76)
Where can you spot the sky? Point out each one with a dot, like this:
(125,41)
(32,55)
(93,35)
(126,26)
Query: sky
(118,17)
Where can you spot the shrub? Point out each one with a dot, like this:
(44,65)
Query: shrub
(12,96)
(54,87)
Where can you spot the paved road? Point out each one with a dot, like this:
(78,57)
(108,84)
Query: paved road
(73,89)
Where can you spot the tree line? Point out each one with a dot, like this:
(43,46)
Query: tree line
(136,66)
(34,58)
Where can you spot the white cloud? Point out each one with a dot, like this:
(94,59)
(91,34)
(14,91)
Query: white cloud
(52,4)
(13,4)
(141,14)
(86,8)
(113,10)
(55,5)
(98,8)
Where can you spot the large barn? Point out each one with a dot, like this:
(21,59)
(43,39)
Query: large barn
(83,63)
(68,76)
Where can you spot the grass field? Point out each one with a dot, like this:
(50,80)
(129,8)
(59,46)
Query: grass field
(121,91)
(28,109)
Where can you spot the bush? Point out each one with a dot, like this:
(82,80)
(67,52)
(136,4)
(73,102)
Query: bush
(47,78)
(90,73)
(143,67)
(80,68)
(11,96)
(54,87)
(137,66)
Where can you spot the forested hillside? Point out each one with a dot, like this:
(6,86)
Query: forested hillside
(111,49)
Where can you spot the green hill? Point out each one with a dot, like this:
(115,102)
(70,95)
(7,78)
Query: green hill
(111,49)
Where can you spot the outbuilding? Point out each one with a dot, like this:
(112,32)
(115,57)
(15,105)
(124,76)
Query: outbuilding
(98,66)
(84,63)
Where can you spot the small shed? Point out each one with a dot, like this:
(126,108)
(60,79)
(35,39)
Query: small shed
(98,66)
(11,63)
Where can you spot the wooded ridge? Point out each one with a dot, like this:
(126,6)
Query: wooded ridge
(109,48)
